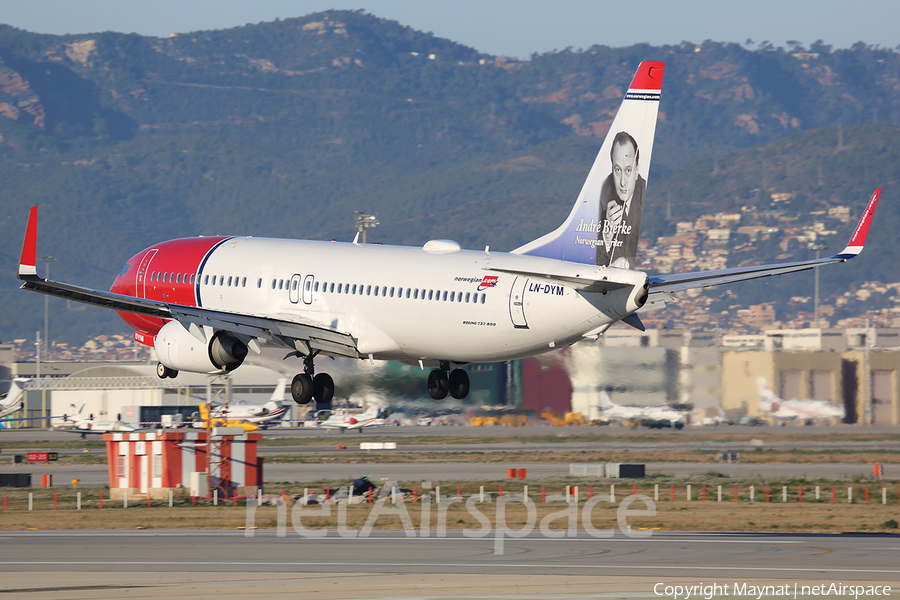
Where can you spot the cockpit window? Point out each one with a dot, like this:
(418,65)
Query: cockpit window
(124,270)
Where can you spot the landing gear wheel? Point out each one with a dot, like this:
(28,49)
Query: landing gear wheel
(163,372)
(302,388)
(459,384)
(323,388)
(438,384)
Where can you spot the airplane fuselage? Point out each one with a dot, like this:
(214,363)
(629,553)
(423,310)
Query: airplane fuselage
(400,303)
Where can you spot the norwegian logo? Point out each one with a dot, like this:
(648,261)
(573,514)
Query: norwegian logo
(489,281)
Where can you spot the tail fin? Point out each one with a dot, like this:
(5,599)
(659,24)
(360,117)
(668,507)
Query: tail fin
(278,394)
(605,402)
(605,223)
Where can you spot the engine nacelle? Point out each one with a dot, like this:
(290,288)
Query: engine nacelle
(177,349)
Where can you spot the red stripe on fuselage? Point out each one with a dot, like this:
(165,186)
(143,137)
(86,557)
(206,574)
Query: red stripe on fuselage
(163,272)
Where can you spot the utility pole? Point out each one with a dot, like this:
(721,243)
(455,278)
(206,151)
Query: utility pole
(818,248)
(47,260)
(364,222)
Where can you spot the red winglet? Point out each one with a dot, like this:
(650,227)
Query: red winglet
(858,240)
(28,262)
(649,76)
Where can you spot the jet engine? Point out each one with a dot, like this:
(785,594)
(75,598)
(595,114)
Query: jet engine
(178,349)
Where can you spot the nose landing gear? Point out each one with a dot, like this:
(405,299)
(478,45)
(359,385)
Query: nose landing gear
(440,383)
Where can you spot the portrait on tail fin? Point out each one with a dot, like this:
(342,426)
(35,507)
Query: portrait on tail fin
(605,222)
(621,204)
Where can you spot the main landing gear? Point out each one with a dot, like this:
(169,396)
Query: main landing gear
(440,383)
(308,386)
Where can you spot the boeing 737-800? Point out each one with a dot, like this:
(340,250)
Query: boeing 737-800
(203,303)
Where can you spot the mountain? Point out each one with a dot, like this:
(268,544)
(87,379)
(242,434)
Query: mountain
(285,128)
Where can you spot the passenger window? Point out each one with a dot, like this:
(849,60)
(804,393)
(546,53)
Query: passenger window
(221,280)
(317,287)
(376,290)
(308,283)
(331,289)
(178,278)
(392,292)
(407,293)
(430,292)
(445,296)
(467,296)
(452,296)
(369,291)
(244,282)
(294,285)
(459,297)
(153,276)
(483,298)
(339,288)
(229,281)
(206,280)
(354,288)
(273,284)
(171,277)
(415,295)
(347,288)
(259,282)
(192,278)
(281,284)
(213,280)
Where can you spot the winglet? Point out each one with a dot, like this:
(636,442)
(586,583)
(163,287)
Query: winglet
(858,239)
(28,262)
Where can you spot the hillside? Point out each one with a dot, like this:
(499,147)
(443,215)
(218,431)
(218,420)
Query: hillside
(285,128)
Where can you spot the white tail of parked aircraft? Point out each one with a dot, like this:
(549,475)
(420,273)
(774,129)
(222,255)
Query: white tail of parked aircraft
(790,410)
(204,303)
(12,400)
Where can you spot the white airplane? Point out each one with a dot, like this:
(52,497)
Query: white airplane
(12,400)
(343,422)
(795,409)
(204,303)
(617,412)
(257,414)
(86,426)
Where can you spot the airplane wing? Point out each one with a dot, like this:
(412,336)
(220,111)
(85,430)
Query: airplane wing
(295,334)
(660,285)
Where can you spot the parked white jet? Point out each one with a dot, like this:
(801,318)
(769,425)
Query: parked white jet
(609,410)
(257,414)
(791,410)
(344,422)
(89,425)
(204,303)
(12,399)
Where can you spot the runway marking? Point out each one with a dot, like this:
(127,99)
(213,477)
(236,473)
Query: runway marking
(441,564)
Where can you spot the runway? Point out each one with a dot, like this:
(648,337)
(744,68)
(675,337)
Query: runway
(664,554)
(616,437)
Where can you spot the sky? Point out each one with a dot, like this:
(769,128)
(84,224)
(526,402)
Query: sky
(501,27)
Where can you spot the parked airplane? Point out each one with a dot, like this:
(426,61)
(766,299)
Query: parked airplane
(247,412)
(86,426)
(203,303)
(790,410)
(344,422)
(12,400)
(609,410)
